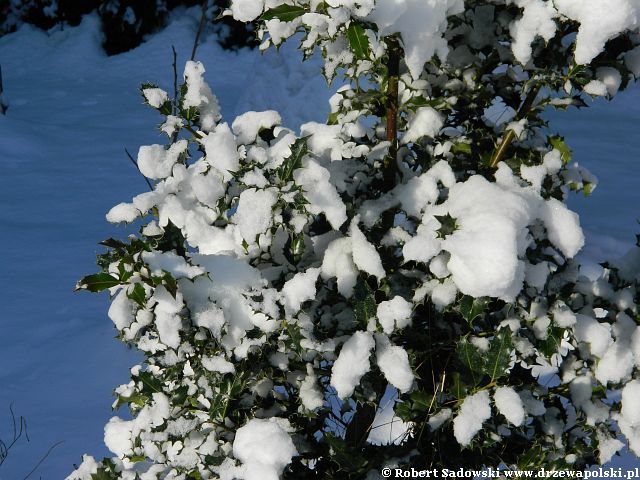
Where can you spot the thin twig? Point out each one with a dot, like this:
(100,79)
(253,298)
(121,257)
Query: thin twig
(18,433)
(203,17)
(523,111)
(175,79)
(393,75)
(3,106)
(138,168)
(51,448)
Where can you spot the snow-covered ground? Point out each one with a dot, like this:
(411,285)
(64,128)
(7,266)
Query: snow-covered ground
(72,111)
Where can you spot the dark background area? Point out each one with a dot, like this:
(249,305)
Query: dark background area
(125,23)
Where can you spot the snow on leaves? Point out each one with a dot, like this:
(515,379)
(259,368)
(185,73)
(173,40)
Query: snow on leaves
(282,281)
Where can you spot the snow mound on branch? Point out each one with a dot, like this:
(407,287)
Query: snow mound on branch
(510,405)
(254,216)
(200,96)
(365,255)
(426,122)
(394,363)
(537,20)
(420,24)
(474,411)
(394,314)
(387,428)
(321,194)
(299,289)
(352,363)
(600,21)
(490,236)
(264,448)
(310,394)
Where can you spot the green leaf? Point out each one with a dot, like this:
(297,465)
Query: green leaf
(112,243)
(138,295)
(150,383)
(358,41)
(448,225)
(97,282)
(558,144)
(471,308)
(471,358)
(587,189)
(421,400)
(284,13)
(458,388)
(294,161)
(365,304)
(134,398)
(102,474)
(461,147)
(499,355)
(170,284)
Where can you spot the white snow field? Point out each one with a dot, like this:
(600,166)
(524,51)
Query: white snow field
(72,111)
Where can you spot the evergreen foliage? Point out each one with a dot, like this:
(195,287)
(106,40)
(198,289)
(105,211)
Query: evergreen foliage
(412,257)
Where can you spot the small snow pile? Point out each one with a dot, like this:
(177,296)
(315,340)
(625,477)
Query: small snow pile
(365,256)
(394,314)
(246,10)
(200,96)
(608,446)
(117,436)
(387,428)
(218,364)
(537,20)
(300,288)
(310,393)
(85,471)
(248,125)
(122,310)
(474,411)
(394,363)
(600,21)
(123,212)
(420,24)
(222,151)
(253,215)
(155,97)
(156,162)
(509,404)
(426,122)
(264,448)
(490,236)
(352,363)
(338,262)
(320,192)
(344,257)
(437,420)
(629,420)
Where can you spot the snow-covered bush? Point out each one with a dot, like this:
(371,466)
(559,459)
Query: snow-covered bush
(124,23)
(416,247)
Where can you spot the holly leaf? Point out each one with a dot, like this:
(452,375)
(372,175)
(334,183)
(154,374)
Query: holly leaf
(138,295)
(294,161)
(559,144)
(471,308)
(365,303)
(284,13)
(97,282)
(358,41)
(499,354)
(471,358)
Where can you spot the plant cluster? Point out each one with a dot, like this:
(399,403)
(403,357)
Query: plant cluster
(125,23)
(415,250)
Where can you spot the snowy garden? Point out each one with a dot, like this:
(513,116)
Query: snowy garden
(373,234)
